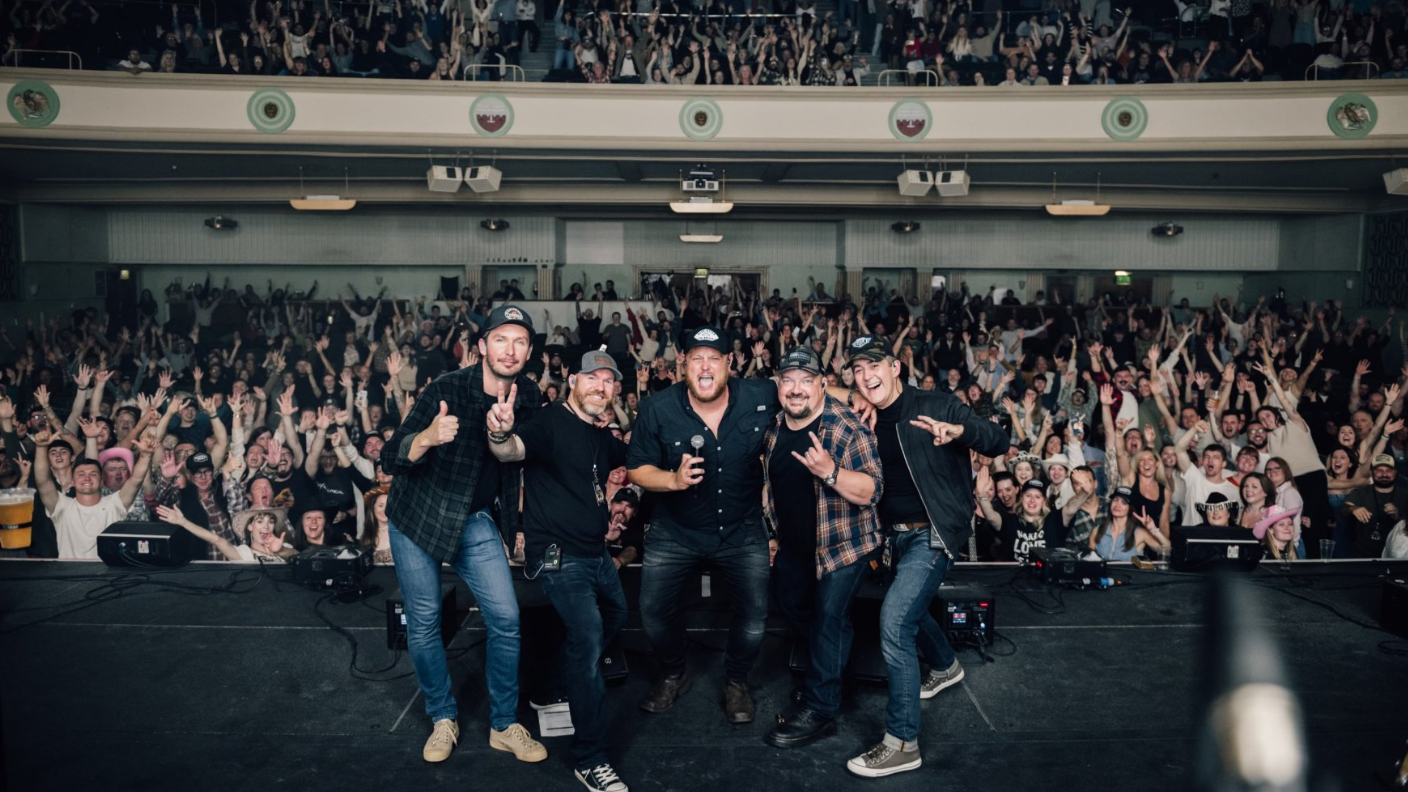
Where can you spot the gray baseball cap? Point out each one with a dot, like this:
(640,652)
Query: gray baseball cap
(596,361)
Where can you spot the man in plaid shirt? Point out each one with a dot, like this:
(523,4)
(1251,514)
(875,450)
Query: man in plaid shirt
(823,510)
(439,511)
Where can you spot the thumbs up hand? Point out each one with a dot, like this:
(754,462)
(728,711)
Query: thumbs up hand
(442,428)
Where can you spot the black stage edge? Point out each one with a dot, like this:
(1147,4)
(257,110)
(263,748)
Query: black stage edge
(218,677)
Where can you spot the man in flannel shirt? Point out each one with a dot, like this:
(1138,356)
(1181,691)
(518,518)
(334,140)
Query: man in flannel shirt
(440,511)
(823,510)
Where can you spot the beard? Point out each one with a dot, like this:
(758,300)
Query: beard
(504,374)
(579,400)
(805,411)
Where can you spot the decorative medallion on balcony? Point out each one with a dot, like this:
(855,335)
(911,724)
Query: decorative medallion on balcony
(491,115)
(910,120)
(1124,118)
(33,103)
(701,119)
(1352,116)
(270,110)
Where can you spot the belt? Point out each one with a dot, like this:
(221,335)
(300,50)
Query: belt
(907,527)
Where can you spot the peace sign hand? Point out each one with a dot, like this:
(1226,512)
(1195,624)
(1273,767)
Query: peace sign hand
(500,416)
(816,460)
(943,433)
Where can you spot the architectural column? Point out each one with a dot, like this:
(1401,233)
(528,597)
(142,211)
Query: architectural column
(474,279)
(855,279)
(547,282)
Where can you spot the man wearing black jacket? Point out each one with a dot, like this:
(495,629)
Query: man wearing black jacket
(924,439)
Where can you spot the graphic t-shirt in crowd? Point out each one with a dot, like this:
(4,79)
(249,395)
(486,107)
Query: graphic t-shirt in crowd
(1197,488)
(900,501)
(1019,537)
(567,461)
(298,493)
(794,491)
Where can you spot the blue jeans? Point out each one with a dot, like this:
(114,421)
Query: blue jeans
(905,619)
(820,611)
(564,58)
(663,574)
(587,595)
(480,560)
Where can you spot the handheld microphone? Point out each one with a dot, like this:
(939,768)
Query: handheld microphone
(697,443)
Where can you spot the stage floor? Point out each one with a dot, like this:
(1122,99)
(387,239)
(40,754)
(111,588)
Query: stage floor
(108,683)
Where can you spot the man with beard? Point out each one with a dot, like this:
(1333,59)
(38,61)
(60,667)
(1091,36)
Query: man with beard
(623,532)
(1372,510)
(567,459)
(924,441)
(446,482)
(823,510)
(696,448)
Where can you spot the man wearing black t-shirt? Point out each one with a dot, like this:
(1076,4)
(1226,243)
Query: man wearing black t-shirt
(925,439)
(823,509)
(565,523)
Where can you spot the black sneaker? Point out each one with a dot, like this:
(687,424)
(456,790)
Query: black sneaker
(800,726)
(601,779)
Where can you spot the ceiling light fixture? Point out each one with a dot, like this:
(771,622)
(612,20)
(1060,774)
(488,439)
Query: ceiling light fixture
(905,227)
(494,224)
(221,223)
(1167,229)
(701,238)
(323,203)
(1076,208)
(701,205)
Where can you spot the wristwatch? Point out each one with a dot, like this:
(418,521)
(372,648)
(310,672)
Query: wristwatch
(830,480)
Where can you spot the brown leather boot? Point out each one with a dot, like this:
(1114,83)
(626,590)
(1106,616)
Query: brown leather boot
(738,703)
(665,690)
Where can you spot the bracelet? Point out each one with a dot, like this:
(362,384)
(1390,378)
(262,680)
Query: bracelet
(499,438)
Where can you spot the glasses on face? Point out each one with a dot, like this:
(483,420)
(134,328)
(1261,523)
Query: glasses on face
(1272,469)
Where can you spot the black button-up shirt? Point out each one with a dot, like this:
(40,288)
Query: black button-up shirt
(725,508)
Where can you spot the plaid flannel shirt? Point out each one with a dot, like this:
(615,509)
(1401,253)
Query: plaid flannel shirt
(430,497)
(846,532)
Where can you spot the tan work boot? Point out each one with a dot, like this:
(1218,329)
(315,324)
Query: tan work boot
(516,740)
(442,740)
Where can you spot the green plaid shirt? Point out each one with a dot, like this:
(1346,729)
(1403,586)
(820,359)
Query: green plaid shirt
(847,532)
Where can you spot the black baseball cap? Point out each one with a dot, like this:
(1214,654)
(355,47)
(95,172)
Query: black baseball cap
(199,461)
(706,336)
(626,495)
(869,347)
(1034,485)
(801,358)
(509,314)
(1124,493)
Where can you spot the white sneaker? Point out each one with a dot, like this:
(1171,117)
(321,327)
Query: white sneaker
(517,741)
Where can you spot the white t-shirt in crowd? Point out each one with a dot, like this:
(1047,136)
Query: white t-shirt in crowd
(1197,488)
(78,526)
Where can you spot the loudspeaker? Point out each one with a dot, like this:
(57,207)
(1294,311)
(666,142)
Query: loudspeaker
(952,184)
(915,183)
(444,179)
(1207,547)
(484,178)
(1396,182)
(396,619)
(146,544)
(1394,616)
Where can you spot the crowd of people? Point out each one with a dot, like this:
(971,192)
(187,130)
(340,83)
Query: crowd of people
(264,432)
(728,42)
(778,437)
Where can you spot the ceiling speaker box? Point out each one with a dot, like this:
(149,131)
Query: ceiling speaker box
(916,183)
(444,179)
(952,184)
(484,178)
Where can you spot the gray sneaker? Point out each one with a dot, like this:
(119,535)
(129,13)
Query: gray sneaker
(938,680)
(882,760)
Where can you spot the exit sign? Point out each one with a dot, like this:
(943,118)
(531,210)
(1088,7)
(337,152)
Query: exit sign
(1122,280)
(701,272)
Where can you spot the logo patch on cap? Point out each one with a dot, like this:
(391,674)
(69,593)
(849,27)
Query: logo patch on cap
(860,342)
(514,314)
(706,335)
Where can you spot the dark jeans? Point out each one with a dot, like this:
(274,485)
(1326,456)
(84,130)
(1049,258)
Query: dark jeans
(480,560)
(1314,488)
(905,619)
(587,595)
(820,611)
(663,574)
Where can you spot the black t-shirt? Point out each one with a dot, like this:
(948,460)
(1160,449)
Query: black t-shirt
(298,493)
(567,462)
(900,502)
(794,492)
(337,490)
(589,331)
(1019,537)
